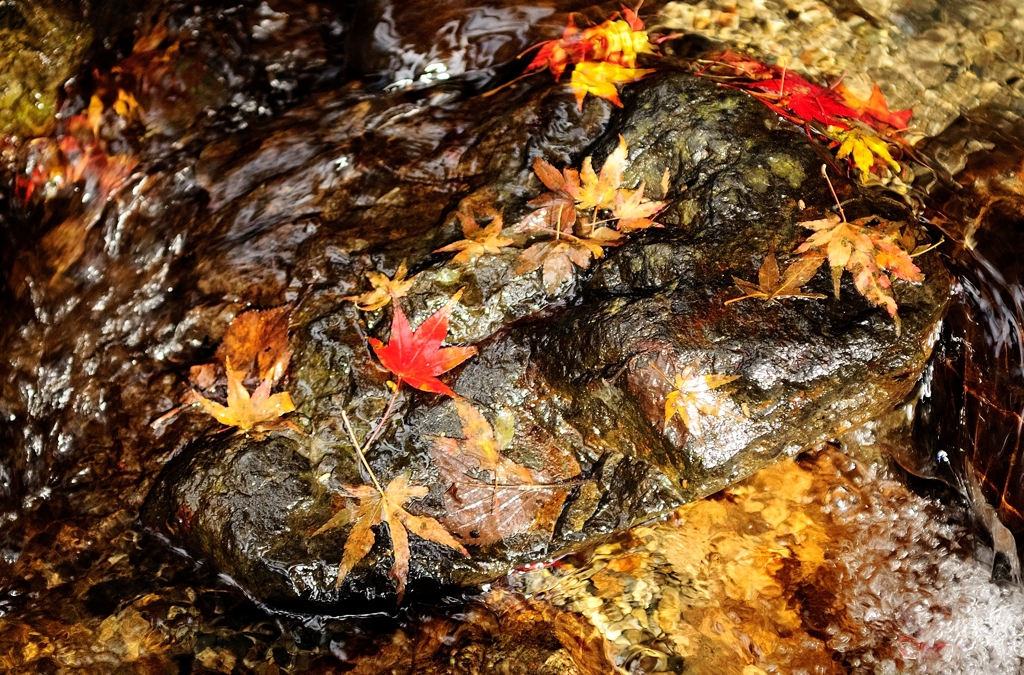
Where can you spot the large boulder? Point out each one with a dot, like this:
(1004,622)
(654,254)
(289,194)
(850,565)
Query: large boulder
(572,372)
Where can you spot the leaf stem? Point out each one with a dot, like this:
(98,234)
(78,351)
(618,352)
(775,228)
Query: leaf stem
(387,413)
(663,375)
(824,172)
(359,452)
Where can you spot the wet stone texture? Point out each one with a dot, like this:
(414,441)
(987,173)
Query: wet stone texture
(372,184)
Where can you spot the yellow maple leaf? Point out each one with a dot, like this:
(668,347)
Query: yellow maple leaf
(479,240)
(692,396)
(865,147)
(601,78)
(634,211)
(261,411)
(384,289)
(599,191)
(386,506)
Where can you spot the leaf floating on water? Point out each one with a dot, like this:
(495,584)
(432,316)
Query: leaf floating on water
(376,507)
(416,356)
(384,289)
(478,240)
(771,286)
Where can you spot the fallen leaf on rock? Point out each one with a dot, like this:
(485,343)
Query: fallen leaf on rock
(598,191)
(376,507)
(478,240)
(692,396)
(557,256)
(865,149)
(869,248)
(489,496)
(384,289)
(634,211)
(416,356)
(558,205)
(601,79)
(772,286)
(262,411)
(260,338)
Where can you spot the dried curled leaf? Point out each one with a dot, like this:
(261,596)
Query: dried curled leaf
(374,508)
(416,356)
(478,240)
(870,249)
(384,289)
(773,286)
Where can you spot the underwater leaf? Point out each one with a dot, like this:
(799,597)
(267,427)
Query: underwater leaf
(260,338)
(261,411)
(489,496)
(478,240)
(870,249)
(692,396)
(384,289)
(374,508)
(772,286)
(416,356)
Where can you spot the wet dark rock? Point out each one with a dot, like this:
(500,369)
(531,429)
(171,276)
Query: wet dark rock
(368,182)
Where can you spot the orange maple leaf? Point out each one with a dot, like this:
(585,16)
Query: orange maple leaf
(870,249)
(634,211)
(261,412)
(692,396)
(560,254)
(558,207)
(598,191)
(384,289)
(875,110)
(601,79)
(478,240)
(386,506)
(416,356)
(260,338)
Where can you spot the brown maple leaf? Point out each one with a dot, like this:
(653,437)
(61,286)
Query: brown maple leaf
(478,240)
(634,211)
(870,249)
(491,497)
(261,412)
(384,289)
(560,254)
(692,396)
(556,208)
(377,506)
(773,286)
(260,338)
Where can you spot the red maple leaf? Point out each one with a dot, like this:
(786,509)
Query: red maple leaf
(416,356)
(805,100)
